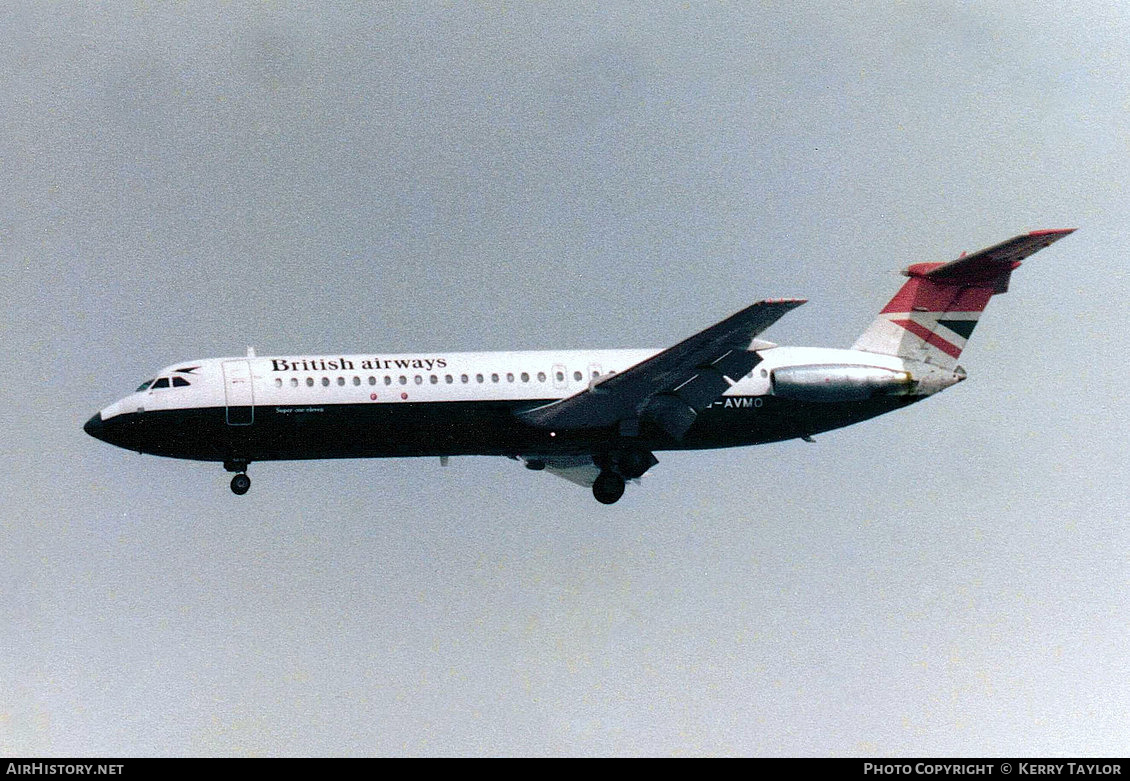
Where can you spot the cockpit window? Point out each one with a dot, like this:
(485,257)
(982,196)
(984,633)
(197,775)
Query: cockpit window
(162,382)
(180,382)
(144,386)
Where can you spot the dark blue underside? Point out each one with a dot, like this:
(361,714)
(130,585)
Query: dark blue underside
(451,428)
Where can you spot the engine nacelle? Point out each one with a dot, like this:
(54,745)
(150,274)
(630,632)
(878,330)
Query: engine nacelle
(838,382)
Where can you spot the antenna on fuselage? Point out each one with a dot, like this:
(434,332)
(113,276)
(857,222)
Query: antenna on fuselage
(250,351)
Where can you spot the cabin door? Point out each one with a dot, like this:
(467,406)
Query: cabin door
(238,393)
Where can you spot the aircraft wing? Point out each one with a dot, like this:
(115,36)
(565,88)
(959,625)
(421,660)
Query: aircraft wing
(670,387)
(578,469)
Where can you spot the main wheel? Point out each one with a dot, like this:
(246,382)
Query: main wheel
(240,484)
(608,488)
(634,463)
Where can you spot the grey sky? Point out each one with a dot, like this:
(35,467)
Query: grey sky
(183,181)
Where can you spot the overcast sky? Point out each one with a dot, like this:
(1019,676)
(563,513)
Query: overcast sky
(181,181)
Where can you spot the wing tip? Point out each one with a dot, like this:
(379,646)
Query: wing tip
(1057,232)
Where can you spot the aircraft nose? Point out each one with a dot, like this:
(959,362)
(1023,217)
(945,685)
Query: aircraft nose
(94,426)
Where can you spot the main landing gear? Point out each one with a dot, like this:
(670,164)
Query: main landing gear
(608,487)
(241,483)
(615,468)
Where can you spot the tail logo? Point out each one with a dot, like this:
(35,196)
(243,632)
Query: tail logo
(963,328)
(931,338)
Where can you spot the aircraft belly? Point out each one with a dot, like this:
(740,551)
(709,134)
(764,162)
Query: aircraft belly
(457,428)
(341,431)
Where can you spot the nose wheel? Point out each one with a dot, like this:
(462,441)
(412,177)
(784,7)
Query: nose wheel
(240,484)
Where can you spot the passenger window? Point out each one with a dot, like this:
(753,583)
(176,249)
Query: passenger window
(541,376)
(356,380)
(509,377)
(448,379)
(525,377)
(309,382)
(388,380)
(494,378)
(325,382)
(278,381)
(478,378)
(577,376)
(419,380)
(372,380)
(403,380)
(433,379)
(294,382)
(340,380)
(463,378)
(163,382)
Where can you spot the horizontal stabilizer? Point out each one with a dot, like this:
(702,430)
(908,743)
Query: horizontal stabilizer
(989,268)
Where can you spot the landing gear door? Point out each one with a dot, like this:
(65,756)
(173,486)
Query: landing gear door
(238,393)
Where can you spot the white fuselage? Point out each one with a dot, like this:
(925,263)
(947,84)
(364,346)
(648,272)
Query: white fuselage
(520,376)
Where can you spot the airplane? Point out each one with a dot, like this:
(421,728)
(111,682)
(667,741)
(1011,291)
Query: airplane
(594,417)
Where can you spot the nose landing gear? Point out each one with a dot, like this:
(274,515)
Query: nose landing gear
(240,484)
